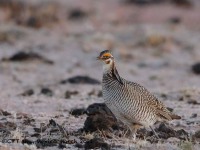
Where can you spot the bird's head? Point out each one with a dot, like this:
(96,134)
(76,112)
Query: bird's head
(109,64)
(106,57)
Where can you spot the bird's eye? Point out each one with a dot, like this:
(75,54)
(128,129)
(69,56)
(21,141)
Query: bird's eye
(105,57)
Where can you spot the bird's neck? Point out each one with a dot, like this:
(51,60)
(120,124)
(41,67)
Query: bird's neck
(111,70)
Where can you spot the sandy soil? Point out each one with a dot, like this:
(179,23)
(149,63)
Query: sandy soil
(154,45)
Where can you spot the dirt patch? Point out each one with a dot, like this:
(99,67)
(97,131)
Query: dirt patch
(47,91)
(196,68)
(28,92)
(68,94)
(80,80)
(96,143)
(27,56)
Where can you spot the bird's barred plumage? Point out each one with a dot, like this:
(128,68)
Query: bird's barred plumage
(130,102)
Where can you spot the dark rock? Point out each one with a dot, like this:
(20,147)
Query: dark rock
(100,118)
(4,113)
(33,22)
(52,122)
(79,145)
(98,108)
(27,141)
(192,101)
(42,143)
(182,134)
(25,56)
(69,93)
(46,91)
(100,94)
(80,80)
(163,95)
(193,116)
(97,143)
(197,134)
(99,122)
(77,111)
(61,145)
(76,14)
(181,98)
(175,20)
(196,68)
(28,92)
(37,135)
(182,3)
(165,131)
(143,2)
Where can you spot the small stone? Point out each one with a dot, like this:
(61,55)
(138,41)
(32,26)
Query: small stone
(196,68)
(77,111)
(76,14)
(193,116)
(68,94)
(192,101)
(46,91)
(100,94)
(28,92)
(181,98)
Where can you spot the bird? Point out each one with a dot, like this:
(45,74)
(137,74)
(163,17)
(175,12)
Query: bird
(130,102)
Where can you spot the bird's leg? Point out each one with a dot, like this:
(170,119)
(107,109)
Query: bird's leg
(134,128)
(154,132)
(134,136)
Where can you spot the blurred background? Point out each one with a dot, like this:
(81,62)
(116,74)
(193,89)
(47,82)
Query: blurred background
(48,51)
(155,43)
(156,40)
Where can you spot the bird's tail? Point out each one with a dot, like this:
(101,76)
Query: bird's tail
(173,116)
(166,115)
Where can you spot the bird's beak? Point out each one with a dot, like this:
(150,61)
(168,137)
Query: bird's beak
(98,58)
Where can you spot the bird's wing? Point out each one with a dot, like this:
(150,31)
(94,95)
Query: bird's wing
(152,101)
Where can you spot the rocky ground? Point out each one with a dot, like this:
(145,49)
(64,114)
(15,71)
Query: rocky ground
(50,81)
